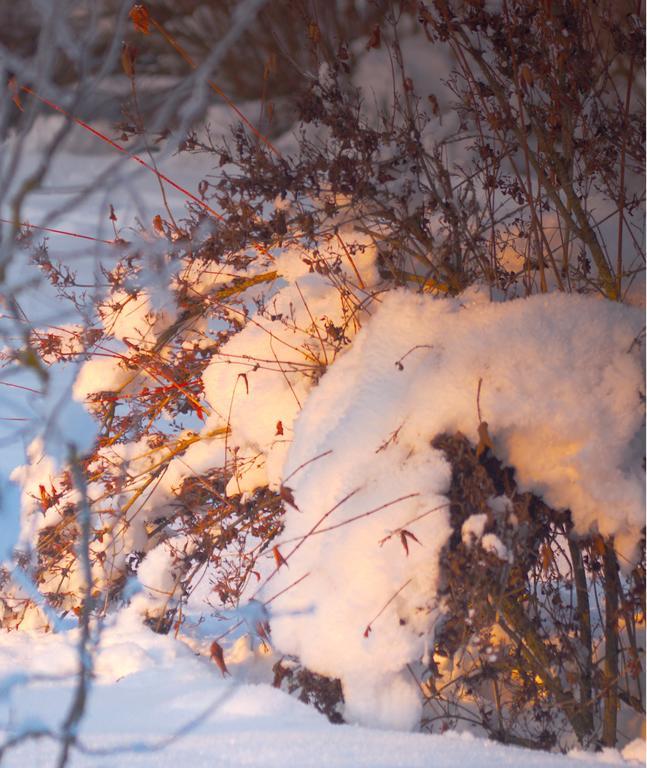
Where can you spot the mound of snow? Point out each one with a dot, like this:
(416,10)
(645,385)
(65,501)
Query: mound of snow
(561,383)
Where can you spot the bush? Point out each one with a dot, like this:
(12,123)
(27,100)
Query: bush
(281,259)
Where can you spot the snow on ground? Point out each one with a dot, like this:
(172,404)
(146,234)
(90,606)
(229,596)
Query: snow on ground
(148,687)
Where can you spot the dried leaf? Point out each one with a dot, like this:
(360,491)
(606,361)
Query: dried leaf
(314,33)
(15,93)
(263,630)
(278,558)
(199,412)
(598,546)
(158,225)
(113,215)
(270,66)
(404,535)
(375,39)
(217,654)
(527,76)
(140,18)
(45,500)
(546,558)
(286,494)
(367,631)
(485,441)
(128,57)
(279,428)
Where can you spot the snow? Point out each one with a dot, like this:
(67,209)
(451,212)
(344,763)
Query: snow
(41,471)
(561,394)
(149,687)
(560,387)
(492,543)
(472,529)
(262,376)
(557,379)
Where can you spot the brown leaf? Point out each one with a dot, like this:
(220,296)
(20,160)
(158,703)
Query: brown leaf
(15,93)
(199,412)
(527,76)
(279,428)
(139,17)
(243,376)
(434,104)
(367,631)
(598,546)
(375,39)
(404,535)
(314,33)
(218,655)
(113,215)
(45,499)
(286,494)
(263,629)
(278,558)
(158,225)
(270,66)
(128,57)
(546,558)
(485,441)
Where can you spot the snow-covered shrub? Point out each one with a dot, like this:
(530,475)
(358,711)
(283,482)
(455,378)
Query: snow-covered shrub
(435,565)
(354,403)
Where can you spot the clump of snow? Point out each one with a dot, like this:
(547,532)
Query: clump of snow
(500,504)
(128,317)
(114,662)
(492,543)
(155,572)
(636,751)
(103,373)
(560,387)
(39,473)
(260,379)
(472,529)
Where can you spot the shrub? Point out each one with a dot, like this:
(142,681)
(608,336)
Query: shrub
(280,260)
